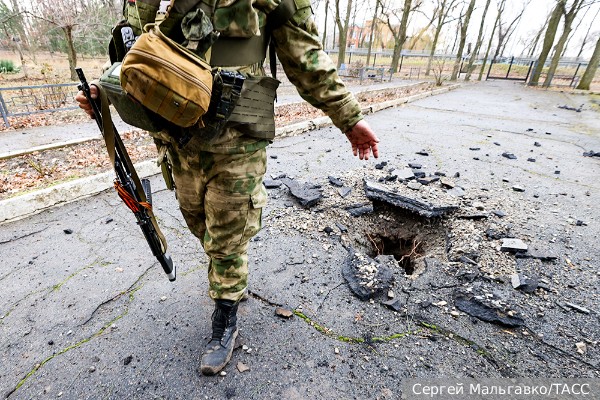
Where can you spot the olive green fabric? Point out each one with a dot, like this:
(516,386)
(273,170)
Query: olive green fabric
(143,12)
(219,185)
(128,109)
(221,197)
(310,69)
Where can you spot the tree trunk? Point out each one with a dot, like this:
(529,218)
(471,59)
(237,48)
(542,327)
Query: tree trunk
(324,39)
(72,55)
(548,42)
(489,47)
(478,43)
(463,39)
(568,22)
(438,29)
(343,31)
(401,37)
(590,71)
(372,33)
(503,36)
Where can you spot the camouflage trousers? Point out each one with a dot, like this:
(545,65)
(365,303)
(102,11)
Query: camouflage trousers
(221,197)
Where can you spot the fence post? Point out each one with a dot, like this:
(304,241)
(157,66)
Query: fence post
(575,75)
(529,70)
(350,57)
(4,111)
(512,59)
(401,60)
(489,70)
(534,64)
(374,58)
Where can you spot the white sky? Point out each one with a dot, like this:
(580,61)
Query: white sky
(533,19)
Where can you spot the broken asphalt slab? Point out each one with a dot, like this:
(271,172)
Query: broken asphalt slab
(90,314)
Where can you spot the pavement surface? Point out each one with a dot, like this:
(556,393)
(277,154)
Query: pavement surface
(87,313)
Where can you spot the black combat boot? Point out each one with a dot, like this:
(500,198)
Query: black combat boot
(224,331)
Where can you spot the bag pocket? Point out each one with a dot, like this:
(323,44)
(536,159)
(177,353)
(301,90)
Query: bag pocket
(130,111)
(234,218)
(167,78)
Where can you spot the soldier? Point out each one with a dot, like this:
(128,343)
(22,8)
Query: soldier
(219,181)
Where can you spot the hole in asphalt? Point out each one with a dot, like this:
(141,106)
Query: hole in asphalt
(404,249)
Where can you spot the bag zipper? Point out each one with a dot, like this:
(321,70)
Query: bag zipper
(173,68)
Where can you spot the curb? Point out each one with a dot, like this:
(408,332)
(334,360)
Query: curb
(73,142)
(32,203)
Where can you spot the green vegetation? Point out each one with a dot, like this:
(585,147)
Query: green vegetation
(7,66)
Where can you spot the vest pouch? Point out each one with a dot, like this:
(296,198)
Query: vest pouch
(255,110)
(130,111)
(167,78)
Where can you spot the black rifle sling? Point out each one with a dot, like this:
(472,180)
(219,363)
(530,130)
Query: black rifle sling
(113,142)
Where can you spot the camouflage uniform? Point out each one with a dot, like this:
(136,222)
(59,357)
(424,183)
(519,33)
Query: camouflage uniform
(219,185)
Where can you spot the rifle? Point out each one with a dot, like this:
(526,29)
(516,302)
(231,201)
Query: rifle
(135,193)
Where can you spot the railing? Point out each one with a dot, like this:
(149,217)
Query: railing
(27,100)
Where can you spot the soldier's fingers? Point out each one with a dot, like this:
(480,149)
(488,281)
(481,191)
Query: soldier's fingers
(367,152)
(375,150)
(94,91)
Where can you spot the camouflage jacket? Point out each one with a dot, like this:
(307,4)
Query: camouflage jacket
(305,63)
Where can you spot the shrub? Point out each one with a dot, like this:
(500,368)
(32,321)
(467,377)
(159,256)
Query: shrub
(6,66)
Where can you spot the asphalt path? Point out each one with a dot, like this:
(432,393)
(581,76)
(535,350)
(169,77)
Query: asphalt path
(87,313)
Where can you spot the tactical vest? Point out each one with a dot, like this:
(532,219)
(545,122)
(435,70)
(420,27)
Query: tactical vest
(243,28)
(243,25)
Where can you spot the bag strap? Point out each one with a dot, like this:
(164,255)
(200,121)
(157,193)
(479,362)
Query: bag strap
(113,140)
(171,3)
(276,18)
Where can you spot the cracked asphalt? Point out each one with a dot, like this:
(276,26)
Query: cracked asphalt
(87,313)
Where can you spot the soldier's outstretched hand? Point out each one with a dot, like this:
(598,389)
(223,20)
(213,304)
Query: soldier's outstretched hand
(363,140)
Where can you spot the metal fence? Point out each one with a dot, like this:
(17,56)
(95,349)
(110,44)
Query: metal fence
(27,100)
(413,65)
(568,73)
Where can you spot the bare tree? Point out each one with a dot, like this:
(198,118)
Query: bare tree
(590,71)
(343,29)
(463,39)
(558,50)
(536,39)
(12,26)
(443,10)
(587,34)
(399,33)
(573,32)
(74,17)
(549,37)
(501,6)
(479,41)
(504,33)
(372,32)
(416,38)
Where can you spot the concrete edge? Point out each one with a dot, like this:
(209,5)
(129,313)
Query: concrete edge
(73,142)
(32,203)
(35,202)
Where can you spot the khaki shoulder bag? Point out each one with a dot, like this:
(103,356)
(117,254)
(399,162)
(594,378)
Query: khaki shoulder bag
(167,78)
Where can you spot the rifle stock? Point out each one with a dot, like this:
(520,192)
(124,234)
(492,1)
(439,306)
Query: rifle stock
(135,193)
